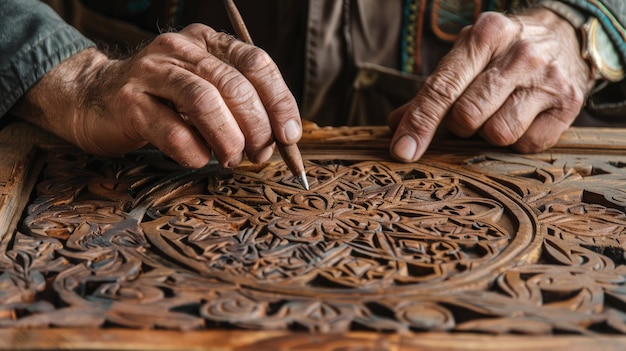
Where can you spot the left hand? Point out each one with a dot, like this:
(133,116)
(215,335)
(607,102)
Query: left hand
(517,80)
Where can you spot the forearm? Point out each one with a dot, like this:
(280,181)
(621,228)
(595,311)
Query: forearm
(612,15)
(34,40)
(59,101)
(188,93)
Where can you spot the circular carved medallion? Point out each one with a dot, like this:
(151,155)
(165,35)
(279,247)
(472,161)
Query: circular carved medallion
(364,227)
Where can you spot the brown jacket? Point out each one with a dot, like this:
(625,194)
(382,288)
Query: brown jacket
(341,58)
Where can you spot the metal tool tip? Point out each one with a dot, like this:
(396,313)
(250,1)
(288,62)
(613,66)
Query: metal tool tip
(303,181)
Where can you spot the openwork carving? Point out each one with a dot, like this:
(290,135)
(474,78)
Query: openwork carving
(365,226)
(489,242)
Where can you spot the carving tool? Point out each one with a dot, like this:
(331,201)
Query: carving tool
(290,153)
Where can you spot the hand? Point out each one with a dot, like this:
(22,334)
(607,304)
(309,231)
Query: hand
(516,80)
(186,93)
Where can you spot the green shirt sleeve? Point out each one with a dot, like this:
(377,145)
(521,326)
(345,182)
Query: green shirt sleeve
(612,15)
(33,39)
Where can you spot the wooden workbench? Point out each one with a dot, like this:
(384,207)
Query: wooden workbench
(473,247)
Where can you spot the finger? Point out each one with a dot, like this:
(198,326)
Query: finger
(484,96)
(545,131)
(245,105)
(171,134)
(394,118)
(258,67)
(202,104)
(239,95)
(489,36)
(515,116)
(526,64)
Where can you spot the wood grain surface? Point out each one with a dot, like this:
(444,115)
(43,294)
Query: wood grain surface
(473,247)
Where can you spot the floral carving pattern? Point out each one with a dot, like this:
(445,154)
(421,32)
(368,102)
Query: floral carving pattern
(492,243)
(364,226)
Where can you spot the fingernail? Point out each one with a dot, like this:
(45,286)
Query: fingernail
(405,148)
(292,131)
(233,163)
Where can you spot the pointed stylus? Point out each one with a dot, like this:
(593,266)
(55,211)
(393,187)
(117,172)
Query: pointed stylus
(290,153)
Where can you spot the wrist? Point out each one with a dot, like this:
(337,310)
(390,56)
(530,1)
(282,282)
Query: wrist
(58,101)
(596,47)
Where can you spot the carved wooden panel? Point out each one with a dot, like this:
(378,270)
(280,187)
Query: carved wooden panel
(475,240)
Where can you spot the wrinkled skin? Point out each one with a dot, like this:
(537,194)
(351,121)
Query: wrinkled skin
(517,81)
(187,93)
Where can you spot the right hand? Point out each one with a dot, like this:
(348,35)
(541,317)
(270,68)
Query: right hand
(187,93)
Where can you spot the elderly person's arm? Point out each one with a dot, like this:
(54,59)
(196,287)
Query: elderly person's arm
(33,40)
(517,80)
(187,93)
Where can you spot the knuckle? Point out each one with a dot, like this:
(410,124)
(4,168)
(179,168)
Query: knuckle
(255,60)
(282,105)
(421,120)
(198,28)
(467,115)
(235,87)
(507,134)
(169,42)
(197,94)
(176,137)
(489,27)
(506,128)
(443,87)
(200,100)
(492,19)
(221,44)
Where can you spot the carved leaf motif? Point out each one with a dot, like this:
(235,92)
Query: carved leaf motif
(493,243)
